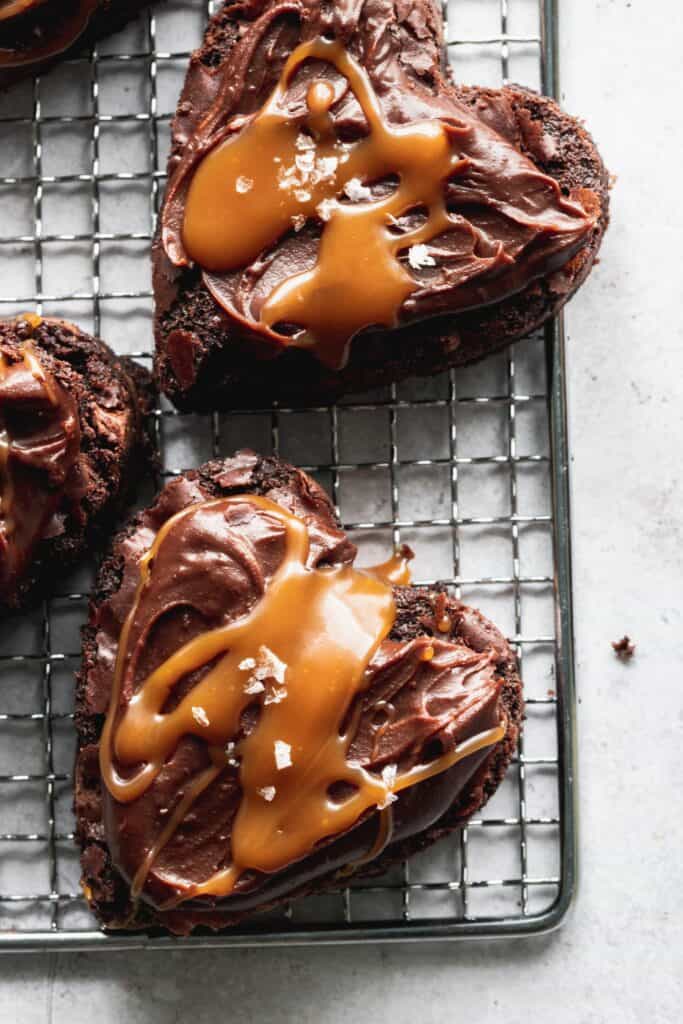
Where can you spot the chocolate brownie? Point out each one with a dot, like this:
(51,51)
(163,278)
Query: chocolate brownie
(184,818)
(73,442)
(35,33)
(263,292)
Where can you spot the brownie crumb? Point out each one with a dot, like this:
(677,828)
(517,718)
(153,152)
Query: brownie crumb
(624,648)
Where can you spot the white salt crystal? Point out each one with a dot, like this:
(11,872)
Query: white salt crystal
(200,716)
(269,666)
(356,191)
(418,256)
(326,208)
(254,686)
(283,755)
(304,142)
(275,694)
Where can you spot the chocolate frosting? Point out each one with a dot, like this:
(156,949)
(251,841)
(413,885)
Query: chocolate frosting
(39,447)
(32,31)
(213,571)
(511,222)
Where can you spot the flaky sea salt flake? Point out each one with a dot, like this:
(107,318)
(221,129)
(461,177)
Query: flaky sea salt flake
(418,257)
(229,750)
(287,177)
(298,221)
(304,142)
(200,716)
(275,694)
(356,190)
(389,775)
(254,686)
(244,184)
(266,666)
(305,162)
(283,755)
(267,792)
(326,167)
(326,208)
(247,664)
(269,666)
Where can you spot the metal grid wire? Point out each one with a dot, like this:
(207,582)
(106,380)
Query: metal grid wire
(459,466)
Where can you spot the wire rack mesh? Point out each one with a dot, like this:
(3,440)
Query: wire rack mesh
(469,468)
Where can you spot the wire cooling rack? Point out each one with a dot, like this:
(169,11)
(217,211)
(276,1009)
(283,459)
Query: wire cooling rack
(469,468)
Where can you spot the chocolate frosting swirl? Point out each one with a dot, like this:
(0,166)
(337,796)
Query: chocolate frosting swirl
(410,711)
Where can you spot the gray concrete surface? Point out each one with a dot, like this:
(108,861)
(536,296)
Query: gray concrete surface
(620,955)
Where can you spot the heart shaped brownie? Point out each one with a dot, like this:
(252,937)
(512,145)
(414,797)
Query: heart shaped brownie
(339,214)
(258,718)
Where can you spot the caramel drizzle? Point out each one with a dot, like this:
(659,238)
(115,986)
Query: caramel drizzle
(286,808)
(52,43)
(358,279)
(396,570)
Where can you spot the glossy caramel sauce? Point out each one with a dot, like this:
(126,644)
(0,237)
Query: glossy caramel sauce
(280,171)
(396,570)
(303,670)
